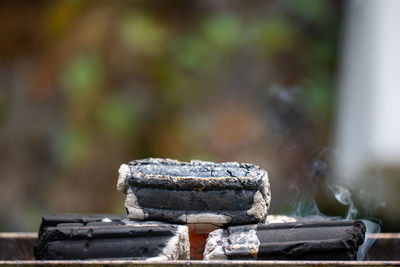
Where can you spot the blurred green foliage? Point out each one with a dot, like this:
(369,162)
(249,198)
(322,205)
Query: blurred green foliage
(74,145)
(141,32)
(119,117)
(311,9)
(82,77)
(113,81)
(319,97)
(222,31)
(276,35)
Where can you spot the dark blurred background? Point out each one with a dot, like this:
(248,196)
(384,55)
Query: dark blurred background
(88,85)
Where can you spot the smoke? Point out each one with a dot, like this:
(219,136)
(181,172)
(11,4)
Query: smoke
(343,195)
(304,200)
(305,205)
(372,228)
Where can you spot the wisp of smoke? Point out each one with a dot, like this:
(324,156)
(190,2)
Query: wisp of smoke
(307,206)
(372,228)
(343,195)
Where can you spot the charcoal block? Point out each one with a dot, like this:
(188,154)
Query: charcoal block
(301,240)
(55,219)
(107,240)
(197,193)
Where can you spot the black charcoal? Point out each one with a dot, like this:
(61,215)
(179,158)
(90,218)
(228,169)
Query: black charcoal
(107,240)
(197,193)
(52,220)
(308,240)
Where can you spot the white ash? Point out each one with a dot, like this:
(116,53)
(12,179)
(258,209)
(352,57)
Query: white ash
(262,199)
(132,204)
(130,222)
(214,249)
(178,247)
(205,222)
(279,219)
(205,218)
(106,220)
(237,239)
(124,172)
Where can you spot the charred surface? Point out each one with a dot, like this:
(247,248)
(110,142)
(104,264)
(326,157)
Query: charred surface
(173,174)
(52,220)
(106,240)
(325,240)
(195,192)
(321,240)
(205,200)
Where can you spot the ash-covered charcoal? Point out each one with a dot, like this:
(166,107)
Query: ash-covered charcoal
(197,193)
(279,219)
(318,240)
(106,240)
(52,220)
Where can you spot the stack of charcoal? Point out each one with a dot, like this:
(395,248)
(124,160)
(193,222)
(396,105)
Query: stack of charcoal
(178,210)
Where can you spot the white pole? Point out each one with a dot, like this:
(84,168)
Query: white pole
(368,132)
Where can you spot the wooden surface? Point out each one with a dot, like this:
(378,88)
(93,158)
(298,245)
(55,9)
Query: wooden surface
(16,249)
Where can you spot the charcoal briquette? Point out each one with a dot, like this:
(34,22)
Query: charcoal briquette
(301,240)
(121,239)
(197,193)
(52,220)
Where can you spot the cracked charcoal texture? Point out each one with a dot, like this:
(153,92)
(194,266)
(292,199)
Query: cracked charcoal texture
(101,240)
(167,189)
(318,240)
(164,173)
(52,220)
(325,240)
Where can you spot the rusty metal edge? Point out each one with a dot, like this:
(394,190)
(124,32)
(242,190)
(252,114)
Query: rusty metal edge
(384,235)
(199,263)
(18,235)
